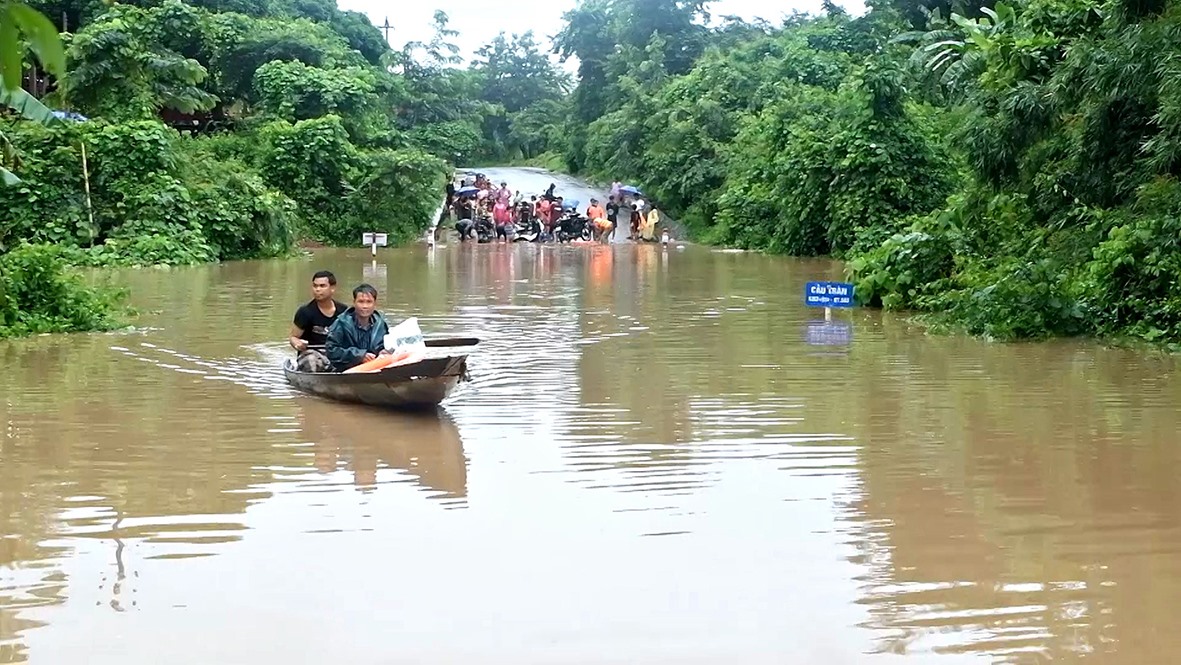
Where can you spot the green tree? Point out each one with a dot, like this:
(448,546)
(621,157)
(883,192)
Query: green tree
(516,77)
(121,66)
(587,36)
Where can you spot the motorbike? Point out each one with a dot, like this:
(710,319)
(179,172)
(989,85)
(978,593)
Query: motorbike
(572,226)
(484,229)
(528,227)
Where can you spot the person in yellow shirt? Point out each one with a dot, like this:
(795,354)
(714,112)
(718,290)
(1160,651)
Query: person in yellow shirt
(598,218)
(649,226)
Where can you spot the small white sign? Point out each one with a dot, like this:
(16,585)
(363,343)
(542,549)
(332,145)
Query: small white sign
(378,239)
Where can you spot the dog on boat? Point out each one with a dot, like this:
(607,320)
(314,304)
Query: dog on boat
(312,360)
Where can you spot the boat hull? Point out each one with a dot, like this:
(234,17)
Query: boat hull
(420,393)
(421,385)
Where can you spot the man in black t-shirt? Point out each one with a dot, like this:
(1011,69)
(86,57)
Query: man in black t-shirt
(612,215)
(312,320)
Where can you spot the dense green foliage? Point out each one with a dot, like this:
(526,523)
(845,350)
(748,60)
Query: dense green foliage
(228,130)
(801,139)
(38,295)
(1011,170)
(155,197)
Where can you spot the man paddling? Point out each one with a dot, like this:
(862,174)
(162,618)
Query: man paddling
(358,335)
(309,327)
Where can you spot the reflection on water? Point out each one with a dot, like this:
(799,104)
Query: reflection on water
(424,449)
(662,456)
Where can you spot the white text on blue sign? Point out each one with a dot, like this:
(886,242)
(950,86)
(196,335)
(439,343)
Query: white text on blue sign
(828,294)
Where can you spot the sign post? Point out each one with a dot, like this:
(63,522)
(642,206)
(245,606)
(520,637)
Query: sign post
(374,240)
(829,295)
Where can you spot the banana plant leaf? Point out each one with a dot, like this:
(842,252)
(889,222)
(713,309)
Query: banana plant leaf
(21,26)
(29,108)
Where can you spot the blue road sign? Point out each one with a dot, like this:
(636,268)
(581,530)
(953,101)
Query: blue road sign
(828,294)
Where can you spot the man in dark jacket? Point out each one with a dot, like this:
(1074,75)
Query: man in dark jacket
(358,335)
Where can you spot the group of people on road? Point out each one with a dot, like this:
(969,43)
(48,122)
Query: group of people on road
(644,216)
(505,215)
(499,208)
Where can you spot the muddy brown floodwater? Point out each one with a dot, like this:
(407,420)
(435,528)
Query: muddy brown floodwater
(663,457)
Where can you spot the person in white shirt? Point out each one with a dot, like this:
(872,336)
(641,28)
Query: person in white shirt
(637,218)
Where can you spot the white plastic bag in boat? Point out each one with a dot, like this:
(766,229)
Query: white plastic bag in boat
(405,343)
(407,337)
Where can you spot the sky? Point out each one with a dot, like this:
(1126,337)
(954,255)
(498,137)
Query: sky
(478,21)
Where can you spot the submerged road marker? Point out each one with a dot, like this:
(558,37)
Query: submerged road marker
(828,295)
(374,240)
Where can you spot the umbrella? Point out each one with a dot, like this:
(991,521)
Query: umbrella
(630,189)
(465,191)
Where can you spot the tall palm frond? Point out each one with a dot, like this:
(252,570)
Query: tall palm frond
(955,51)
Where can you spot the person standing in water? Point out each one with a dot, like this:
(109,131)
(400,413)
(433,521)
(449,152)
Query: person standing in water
(637,218)
(613,215)
(543,208)
(650,225)
(449,192)
(502,216)
(598,219)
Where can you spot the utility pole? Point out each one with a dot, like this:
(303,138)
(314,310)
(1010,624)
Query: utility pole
(386,29)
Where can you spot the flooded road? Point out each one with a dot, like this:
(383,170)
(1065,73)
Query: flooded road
(535,181)
(662,457)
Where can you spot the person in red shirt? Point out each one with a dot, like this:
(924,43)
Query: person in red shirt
(502,216)
(555,212)
(543,213)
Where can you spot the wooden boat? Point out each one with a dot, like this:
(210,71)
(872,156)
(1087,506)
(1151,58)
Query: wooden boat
(421,385)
